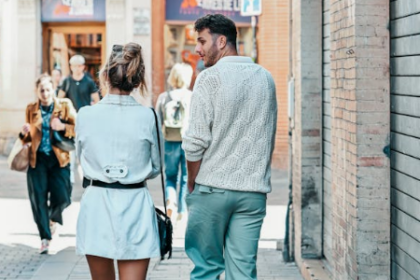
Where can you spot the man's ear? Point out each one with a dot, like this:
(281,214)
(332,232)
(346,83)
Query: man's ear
(222,42)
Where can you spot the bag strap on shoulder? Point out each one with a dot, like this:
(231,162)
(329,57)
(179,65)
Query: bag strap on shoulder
(161,161)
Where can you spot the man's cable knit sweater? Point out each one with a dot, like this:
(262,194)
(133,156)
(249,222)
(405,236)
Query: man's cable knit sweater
(232,125)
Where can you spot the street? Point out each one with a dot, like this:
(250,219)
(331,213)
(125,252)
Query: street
(19,241)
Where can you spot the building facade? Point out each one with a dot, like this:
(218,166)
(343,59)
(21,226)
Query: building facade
(30,38)
(171,24)
(356,139)
(42,38)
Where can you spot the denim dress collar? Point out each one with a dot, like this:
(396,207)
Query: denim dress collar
(115,99)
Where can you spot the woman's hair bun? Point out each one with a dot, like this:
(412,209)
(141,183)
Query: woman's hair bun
(132,56)
(125,68)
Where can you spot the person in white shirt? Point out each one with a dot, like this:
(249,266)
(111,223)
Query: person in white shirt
(117,146)
(172,108)
(228,146)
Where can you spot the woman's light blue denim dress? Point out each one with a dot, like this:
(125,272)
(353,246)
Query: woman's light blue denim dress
(116,140)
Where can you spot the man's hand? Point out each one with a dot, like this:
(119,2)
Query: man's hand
(193,168)
(57,125)
(191,186)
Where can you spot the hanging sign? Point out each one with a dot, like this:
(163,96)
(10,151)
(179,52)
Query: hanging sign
(251,7)
(190,10)
(141,21)
(72,10)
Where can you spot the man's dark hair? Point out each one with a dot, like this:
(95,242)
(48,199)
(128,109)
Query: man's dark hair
(218,24)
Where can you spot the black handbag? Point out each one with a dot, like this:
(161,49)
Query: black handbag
(164,222)
(62,142)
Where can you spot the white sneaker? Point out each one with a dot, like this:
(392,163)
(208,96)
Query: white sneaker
(45,244)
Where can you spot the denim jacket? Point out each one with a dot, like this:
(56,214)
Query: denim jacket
(116,141)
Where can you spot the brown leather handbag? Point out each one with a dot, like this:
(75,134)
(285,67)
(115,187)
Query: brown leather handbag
(19,156)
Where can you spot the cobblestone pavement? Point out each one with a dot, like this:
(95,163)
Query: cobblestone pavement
(19,241)
(19,261)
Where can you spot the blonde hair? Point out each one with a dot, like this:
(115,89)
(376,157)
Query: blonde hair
(180,76)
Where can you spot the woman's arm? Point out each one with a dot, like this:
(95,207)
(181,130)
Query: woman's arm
(25,134)
(157,162)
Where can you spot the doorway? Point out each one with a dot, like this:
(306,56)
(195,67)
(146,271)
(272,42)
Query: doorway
(63,40)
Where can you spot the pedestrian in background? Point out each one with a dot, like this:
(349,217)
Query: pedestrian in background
(172,107)
(78,86)
(82,91)
(228,146)
(57,76)
(49,173)
(117,144)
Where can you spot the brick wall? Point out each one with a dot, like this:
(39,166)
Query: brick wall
(360,128)
(360,132)
(273,48)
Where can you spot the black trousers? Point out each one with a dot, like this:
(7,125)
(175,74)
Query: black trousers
(48,179)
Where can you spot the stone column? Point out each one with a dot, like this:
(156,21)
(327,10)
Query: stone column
(120,30)
(307,136)
(115,23)
(20,63)
(145,40)
(360,134)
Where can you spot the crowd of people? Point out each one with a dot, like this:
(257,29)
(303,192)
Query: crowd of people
(218,141)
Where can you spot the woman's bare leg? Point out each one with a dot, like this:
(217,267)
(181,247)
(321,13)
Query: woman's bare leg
(101,268)
(133,269)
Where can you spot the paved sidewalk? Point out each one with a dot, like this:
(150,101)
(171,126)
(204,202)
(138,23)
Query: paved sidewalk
(66,266)
(19,241)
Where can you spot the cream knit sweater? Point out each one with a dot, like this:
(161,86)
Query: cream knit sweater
(232,125)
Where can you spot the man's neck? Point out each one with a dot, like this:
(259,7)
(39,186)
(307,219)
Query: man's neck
(228,52)
(77,77)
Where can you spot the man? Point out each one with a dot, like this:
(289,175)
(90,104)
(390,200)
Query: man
(228,146)
(82,91)
(78,87)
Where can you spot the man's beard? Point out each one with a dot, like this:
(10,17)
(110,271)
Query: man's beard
(212,56)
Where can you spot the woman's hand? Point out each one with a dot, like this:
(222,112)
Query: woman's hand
(57,125)
(25,128)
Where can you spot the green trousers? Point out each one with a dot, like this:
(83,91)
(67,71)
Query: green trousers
(223,231)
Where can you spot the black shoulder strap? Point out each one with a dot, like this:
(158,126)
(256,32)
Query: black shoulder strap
(161,160)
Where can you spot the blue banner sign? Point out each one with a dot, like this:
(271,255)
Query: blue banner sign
(191,10)
(72,10)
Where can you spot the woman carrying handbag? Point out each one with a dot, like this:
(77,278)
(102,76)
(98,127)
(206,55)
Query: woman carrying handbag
(48,172)
(117,146)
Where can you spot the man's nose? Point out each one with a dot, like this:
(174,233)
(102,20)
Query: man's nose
(198,49)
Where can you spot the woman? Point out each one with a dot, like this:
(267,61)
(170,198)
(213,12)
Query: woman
(118,151)
(172,107)
(49,171)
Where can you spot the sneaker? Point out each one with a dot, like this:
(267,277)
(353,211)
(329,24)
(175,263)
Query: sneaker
(53,227)
(45,243)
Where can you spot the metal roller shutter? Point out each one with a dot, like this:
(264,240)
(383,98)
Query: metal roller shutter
(405,139)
